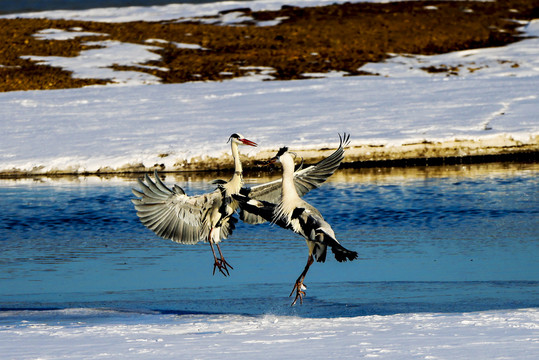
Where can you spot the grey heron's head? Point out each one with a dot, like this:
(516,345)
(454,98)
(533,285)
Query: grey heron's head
(240,140)
(277,157)
(283,152)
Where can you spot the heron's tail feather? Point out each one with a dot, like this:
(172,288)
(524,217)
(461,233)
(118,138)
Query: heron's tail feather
(340,252)
(343,254)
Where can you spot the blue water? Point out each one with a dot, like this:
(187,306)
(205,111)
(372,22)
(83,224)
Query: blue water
(10,6)
(446,239)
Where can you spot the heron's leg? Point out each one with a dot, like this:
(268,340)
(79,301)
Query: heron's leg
(299,287)
(219,263)
(224,262)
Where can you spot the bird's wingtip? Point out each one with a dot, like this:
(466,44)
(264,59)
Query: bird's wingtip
(344,139)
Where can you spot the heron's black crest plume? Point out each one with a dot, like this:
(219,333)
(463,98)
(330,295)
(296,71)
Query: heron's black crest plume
(281,151)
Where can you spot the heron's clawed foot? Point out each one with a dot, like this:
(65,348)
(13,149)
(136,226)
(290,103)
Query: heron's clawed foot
(300,288)
(222,265)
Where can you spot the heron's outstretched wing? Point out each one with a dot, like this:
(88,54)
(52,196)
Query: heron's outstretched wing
(170,213)
(305,180)
(264,209)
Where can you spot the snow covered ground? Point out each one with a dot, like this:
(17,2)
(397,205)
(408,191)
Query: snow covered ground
(491,104)
(98,334)
(175,11)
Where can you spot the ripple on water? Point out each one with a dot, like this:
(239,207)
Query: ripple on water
(432,240)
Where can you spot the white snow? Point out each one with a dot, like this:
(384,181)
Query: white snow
(177,44)
(113,127)
(176,11)
(98,334)
(493,99)
(60,34)
(95,63)
(514,60)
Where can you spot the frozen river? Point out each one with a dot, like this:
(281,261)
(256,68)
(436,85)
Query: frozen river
(434,239)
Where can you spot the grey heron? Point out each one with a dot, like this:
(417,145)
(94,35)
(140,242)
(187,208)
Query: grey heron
(292,212)
(172,214)
(305,179)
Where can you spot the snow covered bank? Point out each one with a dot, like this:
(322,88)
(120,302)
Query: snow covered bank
(490,107)
(98,334)
(185,127)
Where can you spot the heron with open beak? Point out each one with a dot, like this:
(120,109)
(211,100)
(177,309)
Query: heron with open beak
(172,214)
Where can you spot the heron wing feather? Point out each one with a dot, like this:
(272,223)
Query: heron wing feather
(170,213)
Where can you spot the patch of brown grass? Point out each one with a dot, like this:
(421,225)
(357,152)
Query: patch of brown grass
(311,40)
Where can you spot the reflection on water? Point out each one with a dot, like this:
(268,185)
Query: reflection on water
(457,238)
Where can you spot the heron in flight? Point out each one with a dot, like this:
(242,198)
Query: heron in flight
(304,179)
(172,214)
(291,212)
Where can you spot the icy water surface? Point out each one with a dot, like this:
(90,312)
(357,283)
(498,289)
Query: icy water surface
(448,239)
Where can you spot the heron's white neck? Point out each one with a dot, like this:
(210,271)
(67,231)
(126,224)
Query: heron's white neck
(236,156)
(289,193)
(235,184)
(289,196)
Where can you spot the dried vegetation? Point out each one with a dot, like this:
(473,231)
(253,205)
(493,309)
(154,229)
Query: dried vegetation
(307,40)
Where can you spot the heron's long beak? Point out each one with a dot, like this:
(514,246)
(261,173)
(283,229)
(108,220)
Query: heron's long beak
(273,160)
(248,142)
